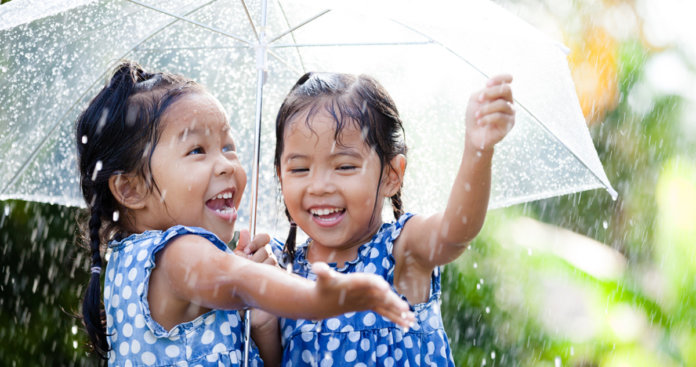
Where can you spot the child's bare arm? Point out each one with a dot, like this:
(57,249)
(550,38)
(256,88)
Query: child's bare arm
(199,273)
(441,238)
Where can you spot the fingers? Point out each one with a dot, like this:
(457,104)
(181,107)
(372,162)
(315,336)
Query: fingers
(323,272)
(256,250)
(496,91)
(243,242)
(499,79)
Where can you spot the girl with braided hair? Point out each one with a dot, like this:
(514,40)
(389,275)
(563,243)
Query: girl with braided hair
(339,153)
(162,182)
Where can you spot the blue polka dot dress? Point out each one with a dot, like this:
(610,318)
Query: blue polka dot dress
(212,339)
(366,338)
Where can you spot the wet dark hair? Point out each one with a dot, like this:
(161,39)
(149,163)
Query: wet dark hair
(358,100)
(117,134)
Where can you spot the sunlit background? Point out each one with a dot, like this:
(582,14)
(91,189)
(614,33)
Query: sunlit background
(579,280)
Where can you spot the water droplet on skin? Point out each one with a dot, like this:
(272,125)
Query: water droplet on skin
(467,186)
(464,220)
(342,297)
(164,195)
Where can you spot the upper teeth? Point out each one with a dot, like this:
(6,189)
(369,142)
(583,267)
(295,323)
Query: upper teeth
(224,195)
(325,211)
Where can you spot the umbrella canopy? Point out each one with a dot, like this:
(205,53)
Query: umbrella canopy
(430,55)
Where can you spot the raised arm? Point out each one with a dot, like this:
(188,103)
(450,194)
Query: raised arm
(192,273)
(441,238)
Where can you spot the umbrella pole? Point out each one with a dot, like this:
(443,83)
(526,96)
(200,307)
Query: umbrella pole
(260,79)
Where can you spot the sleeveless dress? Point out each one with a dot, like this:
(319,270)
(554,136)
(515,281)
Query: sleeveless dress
(366,338)
(212,339)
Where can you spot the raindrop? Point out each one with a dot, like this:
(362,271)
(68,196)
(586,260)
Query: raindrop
(475,265)
(483,362)
(572,351)
(488,310)
(84,139)
(74,344)
(481,280)
(97,168)
(102,121)
(605,224)
(478,286)
(529,252)
(115,216)
(492,355)
(557,362)
(342,297)
(7,211)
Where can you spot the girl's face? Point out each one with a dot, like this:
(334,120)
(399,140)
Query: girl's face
(196,168)
(330,188)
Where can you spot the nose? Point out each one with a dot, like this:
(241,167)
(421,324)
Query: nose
(225,166)
(321,183)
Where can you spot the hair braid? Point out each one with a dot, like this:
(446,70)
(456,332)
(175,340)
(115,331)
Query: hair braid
(92,309)
(397,205)
(289,248)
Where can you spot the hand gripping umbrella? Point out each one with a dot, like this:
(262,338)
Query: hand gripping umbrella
(431,56)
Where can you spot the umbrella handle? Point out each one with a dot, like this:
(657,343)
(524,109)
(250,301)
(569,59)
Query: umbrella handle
(247,336)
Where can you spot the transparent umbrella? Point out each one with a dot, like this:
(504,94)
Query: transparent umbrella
(431,56)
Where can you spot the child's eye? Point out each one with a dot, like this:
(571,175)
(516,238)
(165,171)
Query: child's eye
(346,167)
(196,150)
(298,170)
(228,148)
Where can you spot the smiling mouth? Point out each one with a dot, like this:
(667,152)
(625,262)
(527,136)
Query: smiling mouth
(222,203)
(327,216)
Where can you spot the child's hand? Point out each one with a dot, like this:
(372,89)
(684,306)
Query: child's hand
(490,114)
(360,291)
(256,250)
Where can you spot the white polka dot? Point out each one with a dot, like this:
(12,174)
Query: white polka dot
(115,300)
(398,353)
(374,253)
(332,344)
(128,363)
(127,330)
(140,289)
(219,348)
(354,336)
(128,261)
(189,350)
(326,362)
(225,328)
(365,344)
(234,321)
(307,336)
(388,362)
(431,347)
(172,351)
(119,316)
(131,309)
(333,323)
(385,263)
(142,255)
(148,358)
(114,336)
(434,322)
(370,268)
(139,321)
(422,316)
(408,343)
(351,355)
(381,350)
(417,358)
(135,347)
(347,328)
(109,320)
(369,319)
(107,291)
(349,314)
(149,337)
(118,280)
(443,351)
(307,356)
(208,337)
(210,319)
(132,274)
(383,332)
(111,274)
(123,348)
(361,365)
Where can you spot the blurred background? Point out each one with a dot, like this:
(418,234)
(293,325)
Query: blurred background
(578,280)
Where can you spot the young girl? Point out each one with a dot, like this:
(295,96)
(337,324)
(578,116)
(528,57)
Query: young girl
(339,153)
(162,181)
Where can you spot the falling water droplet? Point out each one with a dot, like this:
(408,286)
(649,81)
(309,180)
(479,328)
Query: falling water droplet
(73,330)
(97,168)
(557,362)
(605,224)
(483,362)
(529,252)
(478,286)
(475,265)
(488,310)
(84,139)
(492,355)
(115,216)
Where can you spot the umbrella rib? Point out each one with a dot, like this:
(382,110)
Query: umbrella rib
(292,35)
(43,141)
(282,60)
(191,21)
(251,22)
(284,45)
(298,26)
(610,189)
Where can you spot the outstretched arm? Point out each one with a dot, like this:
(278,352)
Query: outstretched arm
(441,238)
(197,274)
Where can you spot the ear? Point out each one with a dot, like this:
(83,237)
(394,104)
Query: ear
(394,177)
(129,190)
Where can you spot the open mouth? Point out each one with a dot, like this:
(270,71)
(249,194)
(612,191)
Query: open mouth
(327,216)
(223,204)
